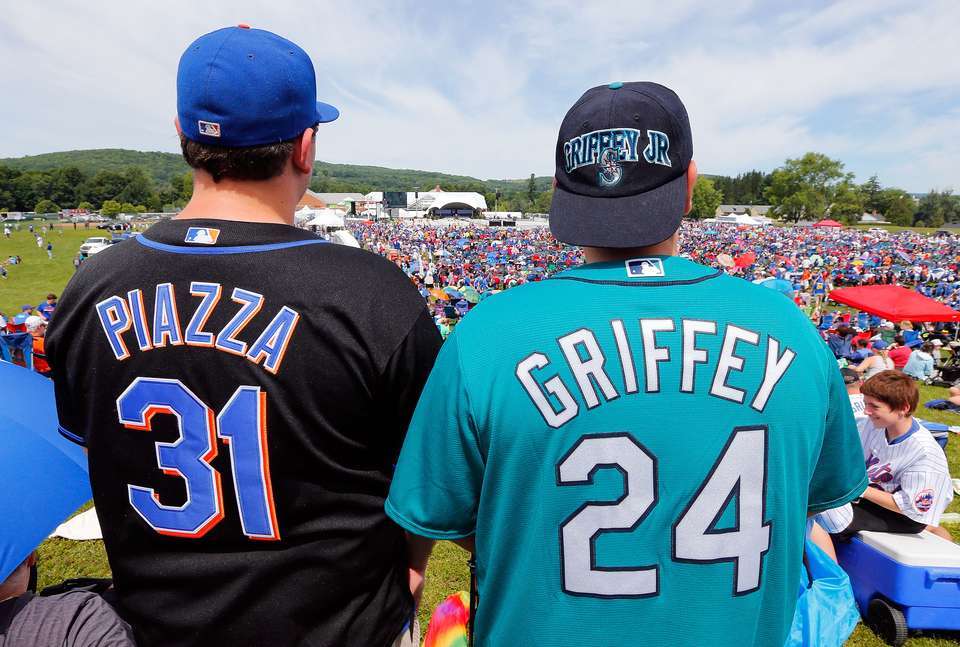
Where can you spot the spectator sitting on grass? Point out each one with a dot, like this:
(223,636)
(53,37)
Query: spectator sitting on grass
(839,341)
(47,307)
(72,619)
(880,361)
(920,364)
(852,380)
(862,352)
(900,354)
(909,478)
(37,328)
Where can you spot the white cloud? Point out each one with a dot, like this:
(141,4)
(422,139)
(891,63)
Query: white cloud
(481,89)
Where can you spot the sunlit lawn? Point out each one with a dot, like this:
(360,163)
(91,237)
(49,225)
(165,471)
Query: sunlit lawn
(31,281)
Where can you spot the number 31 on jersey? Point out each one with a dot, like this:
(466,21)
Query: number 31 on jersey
(241,424)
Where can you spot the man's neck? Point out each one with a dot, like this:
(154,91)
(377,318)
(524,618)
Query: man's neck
(899,428)
(667,247)
(270,201)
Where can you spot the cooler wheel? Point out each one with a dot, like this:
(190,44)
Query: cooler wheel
(888,622)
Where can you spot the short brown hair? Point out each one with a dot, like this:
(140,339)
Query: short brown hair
(251,163)
(895,389)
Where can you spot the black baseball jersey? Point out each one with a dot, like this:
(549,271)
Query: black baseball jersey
(243,390)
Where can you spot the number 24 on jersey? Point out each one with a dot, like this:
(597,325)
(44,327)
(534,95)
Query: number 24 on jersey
(740,473)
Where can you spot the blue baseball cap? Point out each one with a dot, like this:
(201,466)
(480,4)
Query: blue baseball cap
(240,87)
(622,157)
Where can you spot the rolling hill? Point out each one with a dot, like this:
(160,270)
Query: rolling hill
(163,166)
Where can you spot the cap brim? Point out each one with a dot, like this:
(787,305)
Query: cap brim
(630,221)
(326,113)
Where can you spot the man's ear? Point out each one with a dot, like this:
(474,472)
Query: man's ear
(303,152)
(691,181)
(176,124)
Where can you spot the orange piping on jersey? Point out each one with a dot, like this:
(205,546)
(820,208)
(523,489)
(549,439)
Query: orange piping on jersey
(267,484)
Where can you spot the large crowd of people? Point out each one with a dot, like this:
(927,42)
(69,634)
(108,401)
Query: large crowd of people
(444,259)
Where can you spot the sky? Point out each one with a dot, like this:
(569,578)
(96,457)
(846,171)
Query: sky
(481,88)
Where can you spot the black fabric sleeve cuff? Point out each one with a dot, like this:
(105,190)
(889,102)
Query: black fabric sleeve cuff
(69,435)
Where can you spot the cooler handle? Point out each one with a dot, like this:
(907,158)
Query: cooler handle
(943,575)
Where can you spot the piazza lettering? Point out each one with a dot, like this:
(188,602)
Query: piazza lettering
(125,323)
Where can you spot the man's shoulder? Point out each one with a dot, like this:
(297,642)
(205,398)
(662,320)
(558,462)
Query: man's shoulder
(61,609)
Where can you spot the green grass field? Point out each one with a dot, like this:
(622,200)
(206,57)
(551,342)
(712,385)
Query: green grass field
(31,281)
(61,559)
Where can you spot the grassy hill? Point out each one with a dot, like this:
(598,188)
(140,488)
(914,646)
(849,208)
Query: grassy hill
(163,166)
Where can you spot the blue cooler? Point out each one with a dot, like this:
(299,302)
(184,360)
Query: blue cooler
(904,582)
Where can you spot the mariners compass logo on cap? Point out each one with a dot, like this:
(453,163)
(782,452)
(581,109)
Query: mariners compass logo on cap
(622,158)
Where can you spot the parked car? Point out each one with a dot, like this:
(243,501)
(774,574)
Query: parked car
(114,226)
(94,244)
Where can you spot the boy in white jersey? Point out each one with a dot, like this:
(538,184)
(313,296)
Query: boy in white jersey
(909,480)
(852,380)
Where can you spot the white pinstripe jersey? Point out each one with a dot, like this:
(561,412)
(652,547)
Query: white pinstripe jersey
(856,403)
(913,468)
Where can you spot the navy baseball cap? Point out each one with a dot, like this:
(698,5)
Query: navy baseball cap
(622,158)
(850,376)
(239,87)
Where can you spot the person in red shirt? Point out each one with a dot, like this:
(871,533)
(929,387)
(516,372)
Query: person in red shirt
(901,353)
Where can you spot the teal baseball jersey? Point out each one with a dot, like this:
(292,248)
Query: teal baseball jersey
(636,446)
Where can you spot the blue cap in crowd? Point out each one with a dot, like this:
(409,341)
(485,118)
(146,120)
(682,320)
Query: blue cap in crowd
(879,344)
(240,87)
(622,158)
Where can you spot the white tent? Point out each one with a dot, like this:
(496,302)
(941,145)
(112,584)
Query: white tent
(326,218)
(736,219)
(344,237)
(306,213)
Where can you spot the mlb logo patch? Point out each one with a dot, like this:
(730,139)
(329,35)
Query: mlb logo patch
(924,500)
(209,128)
(644,267)
(202,235)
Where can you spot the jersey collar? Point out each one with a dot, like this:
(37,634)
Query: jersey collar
(650,271)
(914,428)
(222,233)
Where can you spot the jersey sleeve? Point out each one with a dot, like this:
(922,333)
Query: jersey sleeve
(839,476)
(923,496)
(436,486)
(404,376)
(58,344)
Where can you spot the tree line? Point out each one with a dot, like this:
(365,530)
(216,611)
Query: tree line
(128,190)
(815,186)
(810,187)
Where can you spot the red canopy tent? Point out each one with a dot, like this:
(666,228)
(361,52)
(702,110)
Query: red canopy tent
(894,303)
(828,223)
